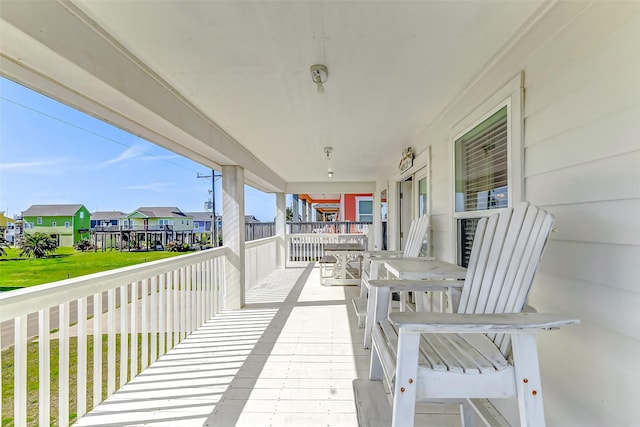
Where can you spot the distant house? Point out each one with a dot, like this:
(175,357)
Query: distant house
(7,228)
(202,221)
(67,224)
(106,218)
(158,218)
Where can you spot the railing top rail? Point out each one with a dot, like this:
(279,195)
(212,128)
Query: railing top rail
(326,235)
(28,300)
(258,242)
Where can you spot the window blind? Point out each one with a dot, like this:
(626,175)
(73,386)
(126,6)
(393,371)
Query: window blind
(466,232)
(481,165)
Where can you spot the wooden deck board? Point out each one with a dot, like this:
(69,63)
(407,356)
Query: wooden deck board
(287,359)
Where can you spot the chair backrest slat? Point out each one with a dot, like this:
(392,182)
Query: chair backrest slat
(416,236)
(506,251)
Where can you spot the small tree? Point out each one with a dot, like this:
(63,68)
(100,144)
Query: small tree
(37,245)
(83,245)
(3,244)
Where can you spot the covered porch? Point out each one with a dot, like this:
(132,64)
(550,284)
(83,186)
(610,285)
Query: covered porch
(228,84)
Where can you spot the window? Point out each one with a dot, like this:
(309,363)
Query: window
(487,160)
(422,196)
(54,224)
(81,214)
(196,225)
(39,220)
(67,224)
(163,222)
(422,210)
(364,209)
(481,165)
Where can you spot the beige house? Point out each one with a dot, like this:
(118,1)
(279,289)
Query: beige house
(499,101)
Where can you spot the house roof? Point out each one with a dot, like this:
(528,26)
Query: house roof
(250,218)
(103,215)
(52,210)
(200,216)
(160,212)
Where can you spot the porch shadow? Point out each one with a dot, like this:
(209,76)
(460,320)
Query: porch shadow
(287,358)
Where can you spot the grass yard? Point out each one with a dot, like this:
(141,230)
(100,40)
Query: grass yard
(16,272)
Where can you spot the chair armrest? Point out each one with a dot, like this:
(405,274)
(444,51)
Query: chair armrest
(383,258)
(418,285)
(425,322)
(385,254)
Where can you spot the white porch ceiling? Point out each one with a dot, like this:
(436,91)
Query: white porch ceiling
(242,68)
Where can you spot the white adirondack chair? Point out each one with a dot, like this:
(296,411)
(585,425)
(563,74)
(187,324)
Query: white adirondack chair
(485,350)
(372,260)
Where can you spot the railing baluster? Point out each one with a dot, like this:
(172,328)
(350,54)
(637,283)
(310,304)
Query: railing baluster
(63,365)
(144,325)
(162,315)
(133,350)
(124,339)
(169,318)
(176,307)
(44,367)
(81,385)
(111,344)
(154,319)
(184,284)
(97,349)
(20,371)
(189,307)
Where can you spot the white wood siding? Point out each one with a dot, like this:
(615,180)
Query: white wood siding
(582,163)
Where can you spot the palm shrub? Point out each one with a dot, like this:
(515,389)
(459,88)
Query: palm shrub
(37,245)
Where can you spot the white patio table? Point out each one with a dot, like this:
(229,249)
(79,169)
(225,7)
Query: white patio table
(344,254)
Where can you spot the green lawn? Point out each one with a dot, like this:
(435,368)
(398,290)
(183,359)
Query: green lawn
(16,272)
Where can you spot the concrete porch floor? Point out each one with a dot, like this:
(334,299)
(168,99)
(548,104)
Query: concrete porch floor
(286,359)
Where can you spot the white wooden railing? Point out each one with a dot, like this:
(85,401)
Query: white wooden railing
(151,306)
(260,260)
(304,248)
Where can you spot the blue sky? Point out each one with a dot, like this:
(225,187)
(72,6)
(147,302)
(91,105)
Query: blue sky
(51,154)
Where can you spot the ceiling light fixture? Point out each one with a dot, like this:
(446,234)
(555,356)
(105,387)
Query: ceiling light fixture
(319,75)
(327,152)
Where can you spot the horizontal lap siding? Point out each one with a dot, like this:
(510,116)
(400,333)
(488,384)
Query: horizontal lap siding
(582,163)
(581,63)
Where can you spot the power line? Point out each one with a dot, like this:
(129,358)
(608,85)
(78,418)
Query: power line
(99,135)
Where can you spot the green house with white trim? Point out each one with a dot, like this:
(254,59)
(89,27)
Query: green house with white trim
(65,223)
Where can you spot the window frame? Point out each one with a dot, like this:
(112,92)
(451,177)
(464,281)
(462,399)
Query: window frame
(359,199)
(39,220)
(510,95)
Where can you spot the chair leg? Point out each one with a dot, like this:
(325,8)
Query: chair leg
(467,414)
(528,384)
(375,366)
(404,396)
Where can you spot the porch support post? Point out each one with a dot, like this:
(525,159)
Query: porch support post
(310,214)
(233,234)
(393,210)
(375,242)
(304,210)
(281,229)
(295,208)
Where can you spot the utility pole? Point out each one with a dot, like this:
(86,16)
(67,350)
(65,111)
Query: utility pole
(214,221)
